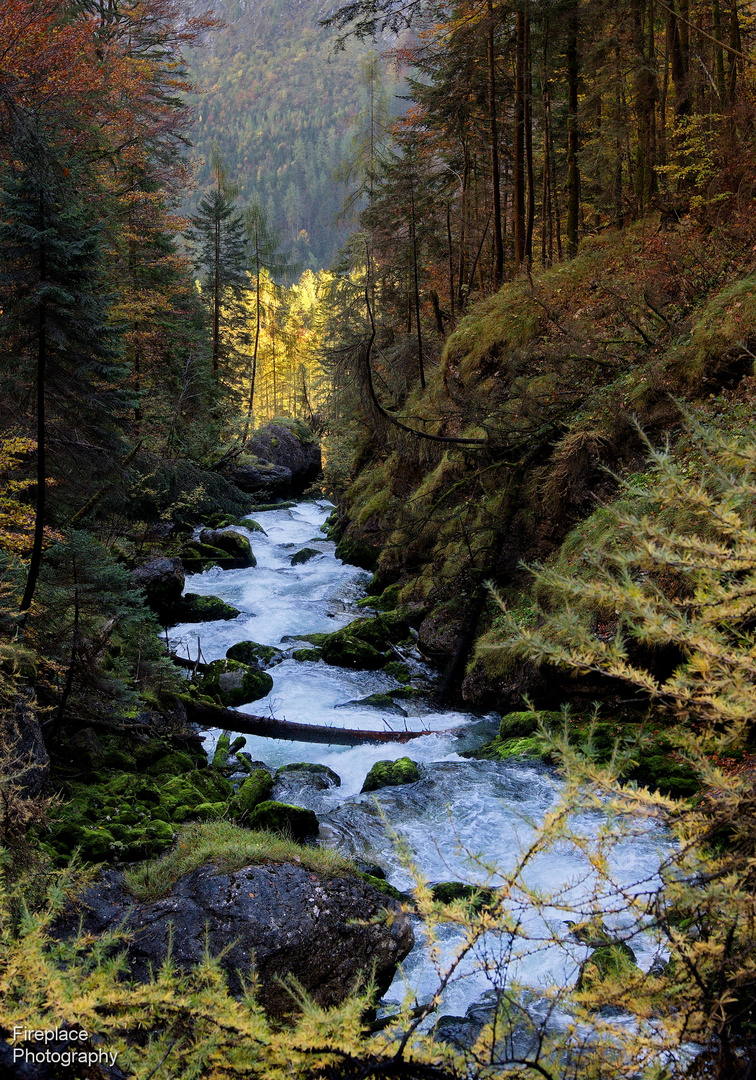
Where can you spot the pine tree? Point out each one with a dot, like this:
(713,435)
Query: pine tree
(57,340)
(220,239)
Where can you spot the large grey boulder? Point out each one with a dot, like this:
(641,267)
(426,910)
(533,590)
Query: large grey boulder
(291,445)
(281,918)
(163,582)
(258,477)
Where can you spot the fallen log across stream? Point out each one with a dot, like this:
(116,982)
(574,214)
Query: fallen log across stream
(200,712)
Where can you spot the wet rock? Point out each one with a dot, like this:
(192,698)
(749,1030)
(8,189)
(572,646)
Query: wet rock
(258,477)
(163,582)
(303,556)
(233,543)
(357,553)
(320,776)
(397,670)
(232,683)
(291,444)
(254,655)
(391,774)
(294,821)
(285,920)
(440,634)
(383,702)
(192,607)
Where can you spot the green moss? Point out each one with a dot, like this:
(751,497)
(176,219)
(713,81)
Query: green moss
(230,847)
(397,671)
(294,821)
(517,725)
(357,553)
(302,655)
(391,774)
(479,896)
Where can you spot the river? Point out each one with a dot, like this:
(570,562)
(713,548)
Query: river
(463,820)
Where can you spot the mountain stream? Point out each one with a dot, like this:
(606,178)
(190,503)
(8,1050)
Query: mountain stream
(460,821)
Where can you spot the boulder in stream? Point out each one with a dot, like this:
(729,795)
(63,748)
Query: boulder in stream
(391,774)
(232,683)
(192,607)
(278,919)
(294,821)
(163,582)
(253,654)
(233,543)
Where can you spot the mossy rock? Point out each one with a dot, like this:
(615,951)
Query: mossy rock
(253,654)
(363,643)
(479,896)
(660,772)
(193,608)
(232,544)
(608,963)
(343,651)
(260,508)
(518,725)
(313,639)
(398,671)
(303,655)
(391,774)
(357,553)
(331,526)
(407,693)
(171,764)
(232,683)
(388,600)
(294,821)
(225,748)
(303,556)
(504,749)
(123,816)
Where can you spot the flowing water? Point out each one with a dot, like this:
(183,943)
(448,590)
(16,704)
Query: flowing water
(461,821)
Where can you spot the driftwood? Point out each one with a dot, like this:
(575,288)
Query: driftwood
(217,717)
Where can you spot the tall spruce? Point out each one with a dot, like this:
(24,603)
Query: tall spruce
(57,344)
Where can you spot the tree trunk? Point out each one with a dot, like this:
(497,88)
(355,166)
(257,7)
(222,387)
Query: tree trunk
(498,243)
(573,138)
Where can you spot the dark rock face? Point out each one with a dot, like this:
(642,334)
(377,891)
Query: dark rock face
(163,582)
(279,459)
(21,739)
(283,918)
(260,478)
(291,446)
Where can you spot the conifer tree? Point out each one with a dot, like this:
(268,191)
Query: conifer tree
(57,341)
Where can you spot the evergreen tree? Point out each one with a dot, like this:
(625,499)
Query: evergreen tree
(56,342)
(219,236)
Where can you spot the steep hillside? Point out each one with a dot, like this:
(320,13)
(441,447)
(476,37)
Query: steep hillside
(279,105)
(552,373)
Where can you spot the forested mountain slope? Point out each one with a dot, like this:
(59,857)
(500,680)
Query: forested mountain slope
(279,104)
